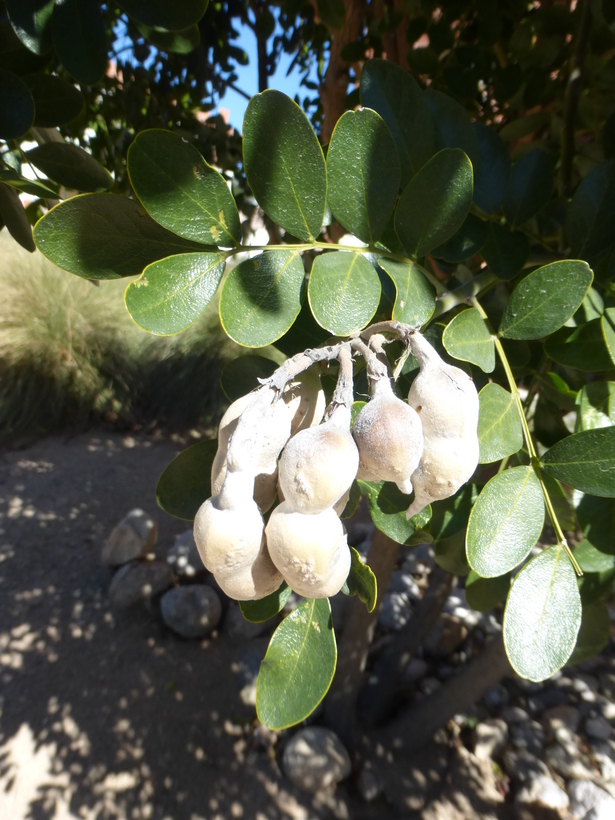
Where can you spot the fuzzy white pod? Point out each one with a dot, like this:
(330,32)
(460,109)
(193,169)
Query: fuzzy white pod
(252,581)
(310,551)
(389,436)
(318,465)
(447,402)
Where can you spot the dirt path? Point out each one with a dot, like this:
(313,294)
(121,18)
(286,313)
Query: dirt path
(107,715)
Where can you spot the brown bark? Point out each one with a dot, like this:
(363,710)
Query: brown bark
(395,44)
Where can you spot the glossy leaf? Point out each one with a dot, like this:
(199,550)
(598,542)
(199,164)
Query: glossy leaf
(172,293)
(592,560)
(165,14)
(56,102)
(451,515)
(31,22)
(505,252)
(453,125)
(186,482)
(542,616)
(468,241)
(484,594)
(585,461)
(353,502)
(70,166)
(104,236)
(591,212)
(506,522)
(344,292)
(596,406)
(261,298)
(388,505)
(181,191)
(543,301)
(607,326)
(415,299)
(363,174)
(491,176)
(435,203)
(16,106)
(594,634)
(241,375)
(396,96)
(529,187)
(583,348)
(561,503)
(284,164)
(361,581)
(79,35)
(298,668)
(450,554)
(597,521)
(499,427)
(262,610)
(12,215)
(28,186)
(467,338)
(183,41)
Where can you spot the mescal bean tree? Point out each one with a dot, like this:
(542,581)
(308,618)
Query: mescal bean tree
(451,282)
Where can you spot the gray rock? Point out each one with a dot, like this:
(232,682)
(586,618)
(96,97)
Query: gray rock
(562,717)
(604,753)
(491,737)
(238,629)
(247,671)
(369,785)
(419,560)
(586,797)
(523,767)
(543,792)
(404,582)
(567,762)
(607,684)
(514,714)
(133,538)
(138,582)
(496,697)
(184,557)
(429,685)
(415,670)
(446,636)
(597,728)
(608,710)
(529,736)
(191,611)
(395,611)
(586,686)
(315,759)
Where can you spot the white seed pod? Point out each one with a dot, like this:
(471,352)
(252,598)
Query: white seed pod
(306,400)
(389,436)
(318,465)
(253,581)
(447,403)
(228,528)
(311,551)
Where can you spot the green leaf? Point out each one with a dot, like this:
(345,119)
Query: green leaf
(453,125)
(468,241)
(362,174)
(261,298)
(505,252)
(343,292)
(240,376)
(56,102)
(590,215)
(484,594)
(284,164)
(607,325)
(332,13)
(70,166)
(28,186)
(542,616)
(529,187)
(104,236)
(491,176)
(450,554)
(262,610)
(79,35)
(597,521)
(165,14)
(186,482)
(361,581)
(596,586)
(561,503)
(181,191)
(594,634)
(298,668)
(435,203)
(353,501)
(396,96)
(467,338)
(173,42)
(13,215)
(592,307)
(506,522)
(387,506)
(583,348)
(31,22)
(450,516)
(543,301)
(596,406)
(500,433)
(172,293)
(16,106)
(592,560)
(585,461)
(415,299)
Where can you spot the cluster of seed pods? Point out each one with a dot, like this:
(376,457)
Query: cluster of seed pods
(428,445)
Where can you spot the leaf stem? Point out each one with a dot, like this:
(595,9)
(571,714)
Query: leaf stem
(534,460)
